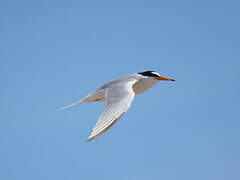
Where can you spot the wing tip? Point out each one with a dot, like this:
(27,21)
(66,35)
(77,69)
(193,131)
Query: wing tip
(92,136)
(90,139)
(96,135)
(87,141)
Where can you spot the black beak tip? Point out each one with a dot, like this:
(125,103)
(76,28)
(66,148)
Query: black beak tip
(173,80)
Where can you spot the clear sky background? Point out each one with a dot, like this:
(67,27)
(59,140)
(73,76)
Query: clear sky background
(53,53)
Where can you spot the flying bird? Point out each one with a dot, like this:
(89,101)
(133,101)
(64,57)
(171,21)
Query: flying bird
(118,95)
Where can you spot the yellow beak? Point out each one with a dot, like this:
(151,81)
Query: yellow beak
(164,78)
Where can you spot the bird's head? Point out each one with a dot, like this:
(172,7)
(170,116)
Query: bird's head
(155,76)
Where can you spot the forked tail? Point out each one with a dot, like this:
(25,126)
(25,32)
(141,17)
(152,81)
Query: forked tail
(78,102)
(93,97)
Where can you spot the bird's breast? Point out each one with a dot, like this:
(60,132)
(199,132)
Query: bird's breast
(142,85)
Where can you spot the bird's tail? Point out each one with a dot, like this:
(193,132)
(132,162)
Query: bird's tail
(78,102)
(93,97)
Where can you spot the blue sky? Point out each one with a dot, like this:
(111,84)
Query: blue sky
(56,52)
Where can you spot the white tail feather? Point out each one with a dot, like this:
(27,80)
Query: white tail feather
(78,102)
(95,96)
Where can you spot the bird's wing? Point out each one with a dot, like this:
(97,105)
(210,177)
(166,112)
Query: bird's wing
(118,99)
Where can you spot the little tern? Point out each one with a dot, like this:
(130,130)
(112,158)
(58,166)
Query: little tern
(118,95)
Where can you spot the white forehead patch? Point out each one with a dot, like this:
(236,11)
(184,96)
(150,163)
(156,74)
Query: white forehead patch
(155,73)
